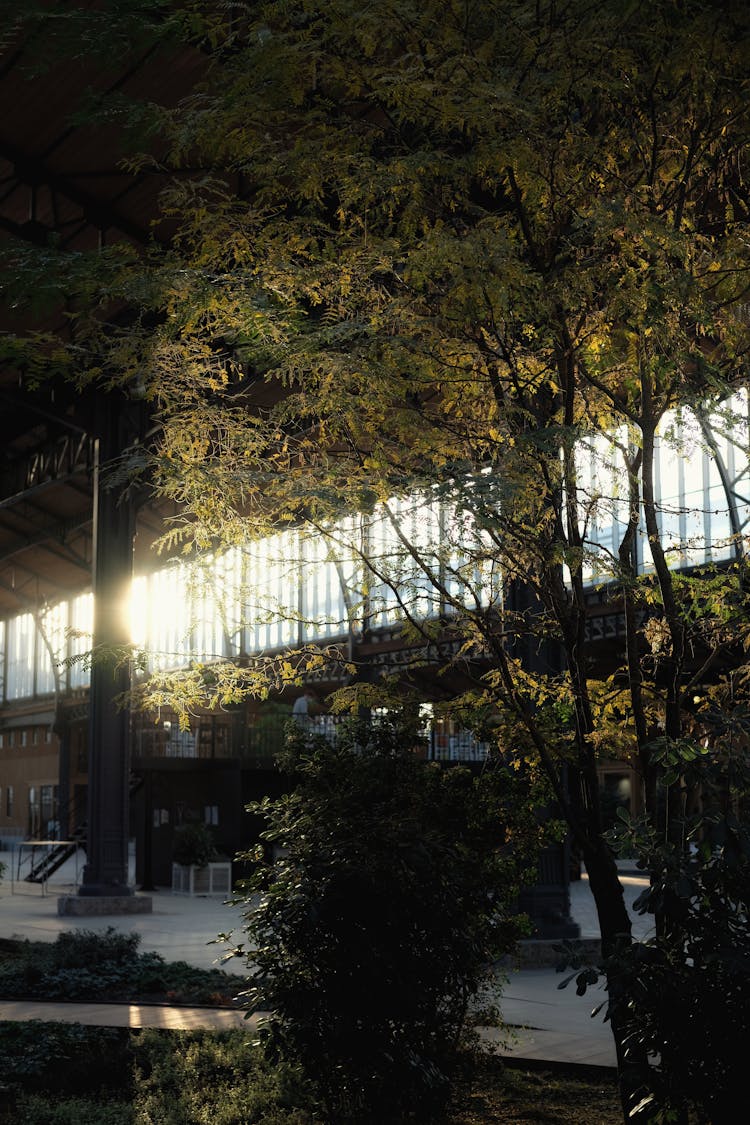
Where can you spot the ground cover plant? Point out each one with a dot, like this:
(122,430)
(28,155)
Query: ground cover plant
(84,965)
(66,1074)
(187,1078)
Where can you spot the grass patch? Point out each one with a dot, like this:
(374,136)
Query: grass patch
(515,1095)
(65,1074)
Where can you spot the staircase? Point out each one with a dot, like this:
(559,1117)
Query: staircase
(55,857)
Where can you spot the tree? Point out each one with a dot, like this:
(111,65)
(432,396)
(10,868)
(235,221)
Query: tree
(436,257)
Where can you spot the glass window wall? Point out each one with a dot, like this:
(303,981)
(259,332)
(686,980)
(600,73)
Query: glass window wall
(304,585)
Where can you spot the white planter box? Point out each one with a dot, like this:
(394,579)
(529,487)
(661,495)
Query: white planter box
(213,879)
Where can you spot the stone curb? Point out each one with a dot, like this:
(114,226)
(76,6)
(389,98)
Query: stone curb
(545,953)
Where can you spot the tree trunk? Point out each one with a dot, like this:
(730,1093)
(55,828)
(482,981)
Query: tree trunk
(616,932)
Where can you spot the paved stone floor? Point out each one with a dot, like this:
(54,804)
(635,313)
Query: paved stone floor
(547,1023)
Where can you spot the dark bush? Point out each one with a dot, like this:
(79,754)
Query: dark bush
(85,949)
(66,1057)
(193,845)
(378,928)
(84,965)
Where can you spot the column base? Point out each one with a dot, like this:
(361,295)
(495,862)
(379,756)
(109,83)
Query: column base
(544,953)
(93,905)
(103,890)
(548,907)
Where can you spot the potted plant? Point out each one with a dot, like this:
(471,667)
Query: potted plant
(196,867)
(193,845)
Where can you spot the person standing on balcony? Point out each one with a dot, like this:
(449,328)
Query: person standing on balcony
(301,709)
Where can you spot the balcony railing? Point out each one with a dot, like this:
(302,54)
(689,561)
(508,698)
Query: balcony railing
(259,742)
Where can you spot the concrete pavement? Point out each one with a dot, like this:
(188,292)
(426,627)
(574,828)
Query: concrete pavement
(547,1023)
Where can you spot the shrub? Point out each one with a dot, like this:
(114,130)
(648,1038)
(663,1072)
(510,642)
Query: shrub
(193,845)
(68,1058)
(378,927)
(84,965)
(86,949)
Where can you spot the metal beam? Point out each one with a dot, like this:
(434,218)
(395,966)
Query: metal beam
(23,402)
(53,534)
(70,455)
(20,597)
(100,215)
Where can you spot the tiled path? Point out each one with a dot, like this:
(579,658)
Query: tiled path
(126,1015)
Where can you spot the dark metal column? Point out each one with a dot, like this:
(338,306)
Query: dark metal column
(106,872)
(62,729)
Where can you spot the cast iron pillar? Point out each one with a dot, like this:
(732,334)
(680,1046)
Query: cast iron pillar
(106,872)
(61,728)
